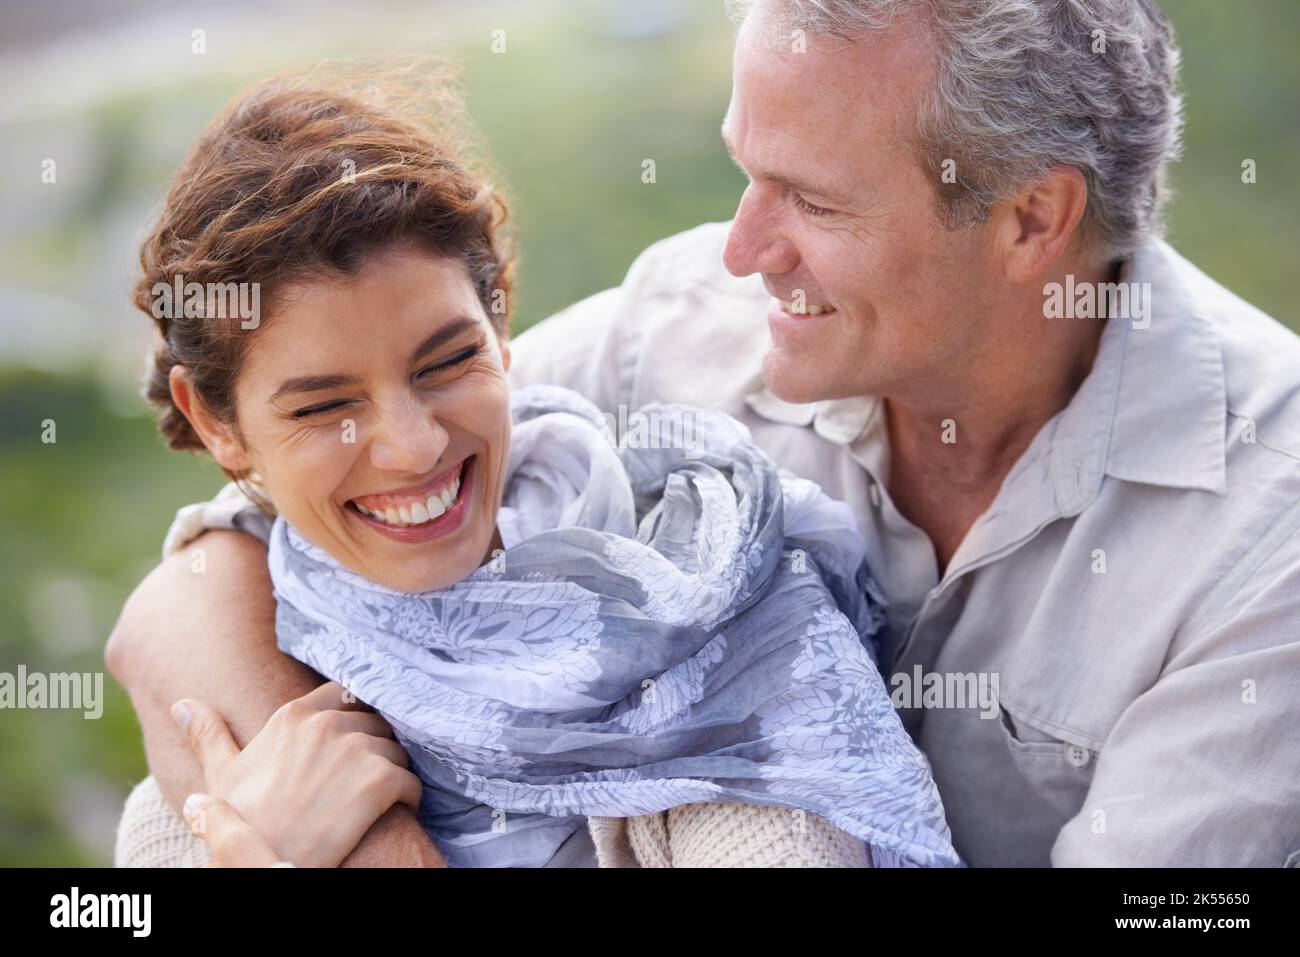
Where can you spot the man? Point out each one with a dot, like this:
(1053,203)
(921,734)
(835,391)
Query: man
(1075,458)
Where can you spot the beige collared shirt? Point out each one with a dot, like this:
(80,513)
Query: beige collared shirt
(1108,672)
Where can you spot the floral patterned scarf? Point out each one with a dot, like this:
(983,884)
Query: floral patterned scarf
(666,625)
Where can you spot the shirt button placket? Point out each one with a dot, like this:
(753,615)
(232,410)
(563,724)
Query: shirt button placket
(873,492)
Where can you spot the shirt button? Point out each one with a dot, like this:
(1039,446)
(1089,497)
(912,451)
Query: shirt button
(873,493)
(1077,756)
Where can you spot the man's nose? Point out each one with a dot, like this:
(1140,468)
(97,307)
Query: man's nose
(408,438)
(755,244)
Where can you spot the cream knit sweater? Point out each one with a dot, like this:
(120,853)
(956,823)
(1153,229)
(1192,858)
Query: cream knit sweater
(151,834)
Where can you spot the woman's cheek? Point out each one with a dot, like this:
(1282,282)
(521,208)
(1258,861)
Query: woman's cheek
(478,402)
(311,464)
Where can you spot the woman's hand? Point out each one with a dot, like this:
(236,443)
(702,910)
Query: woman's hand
(228,836)
(307,787)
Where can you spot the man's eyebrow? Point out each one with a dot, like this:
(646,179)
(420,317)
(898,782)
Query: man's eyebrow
(320,383)
(791,182)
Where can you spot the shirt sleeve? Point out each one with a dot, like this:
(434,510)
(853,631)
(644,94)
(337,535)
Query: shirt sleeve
(750,835)
(595,347)
(228,509)
(576,348)
(1204,768)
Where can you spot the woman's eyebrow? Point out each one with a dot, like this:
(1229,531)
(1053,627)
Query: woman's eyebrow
(313,383)
(443,336)
(320,383)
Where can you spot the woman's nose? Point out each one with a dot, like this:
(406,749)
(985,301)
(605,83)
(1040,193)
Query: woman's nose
(755,243)
(408,439)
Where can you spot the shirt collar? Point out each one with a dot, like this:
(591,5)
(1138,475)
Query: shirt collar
(837,420)
(1171,406)
(1153,409)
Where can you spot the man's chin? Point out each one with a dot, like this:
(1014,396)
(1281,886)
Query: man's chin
(802,383)
(791,381)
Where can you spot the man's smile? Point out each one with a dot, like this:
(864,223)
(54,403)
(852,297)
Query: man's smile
(805,308)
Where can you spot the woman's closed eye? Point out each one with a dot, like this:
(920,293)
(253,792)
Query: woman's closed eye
(459,359)
(321,409)
(324,408)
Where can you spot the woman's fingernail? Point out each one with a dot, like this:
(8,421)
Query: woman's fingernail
(193,802)
(181,714)
(193,812)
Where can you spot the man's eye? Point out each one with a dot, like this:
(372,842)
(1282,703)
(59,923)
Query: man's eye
(454,361)
(319,409)
(809,208)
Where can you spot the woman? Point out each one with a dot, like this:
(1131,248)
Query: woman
(566,637)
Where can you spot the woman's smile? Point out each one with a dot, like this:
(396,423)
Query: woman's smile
(375,410)
(422,514)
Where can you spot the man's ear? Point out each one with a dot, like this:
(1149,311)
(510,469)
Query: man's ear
(1039,223)
(218,436)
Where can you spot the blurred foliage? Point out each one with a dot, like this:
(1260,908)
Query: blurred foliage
(569,116)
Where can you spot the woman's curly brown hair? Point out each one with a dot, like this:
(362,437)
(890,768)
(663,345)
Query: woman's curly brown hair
(303,177)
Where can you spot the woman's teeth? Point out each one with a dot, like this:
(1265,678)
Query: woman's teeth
(416,513)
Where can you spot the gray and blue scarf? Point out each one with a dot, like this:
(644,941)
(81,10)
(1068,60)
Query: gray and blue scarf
(670,623)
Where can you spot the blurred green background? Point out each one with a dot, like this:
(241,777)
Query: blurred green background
(584,92)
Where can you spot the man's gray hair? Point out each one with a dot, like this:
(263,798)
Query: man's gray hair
(1024,85)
